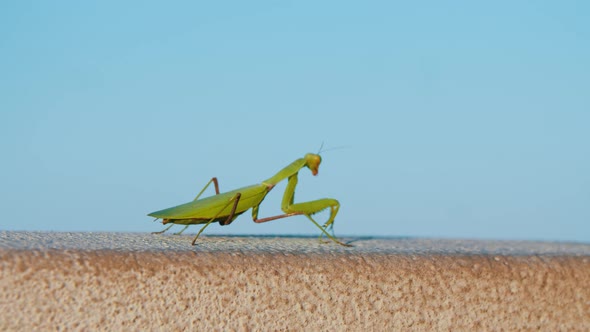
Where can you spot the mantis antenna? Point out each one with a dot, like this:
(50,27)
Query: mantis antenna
(332,148)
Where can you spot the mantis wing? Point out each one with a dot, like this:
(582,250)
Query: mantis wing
(209,207)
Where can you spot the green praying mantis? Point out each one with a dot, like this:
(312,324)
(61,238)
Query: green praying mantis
(226,207)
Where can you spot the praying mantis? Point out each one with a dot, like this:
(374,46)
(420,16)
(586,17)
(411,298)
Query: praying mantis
(224,208)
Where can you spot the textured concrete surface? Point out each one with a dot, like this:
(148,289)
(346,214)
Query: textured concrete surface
(122,281)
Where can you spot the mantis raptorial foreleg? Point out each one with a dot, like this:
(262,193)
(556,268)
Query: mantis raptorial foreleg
(235,200)
(305,208)
(326,233)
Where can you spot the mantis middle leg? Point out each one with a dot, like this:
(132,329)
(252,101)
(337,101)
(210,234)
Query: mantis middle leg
(235,199)
(306,208)
(214,180)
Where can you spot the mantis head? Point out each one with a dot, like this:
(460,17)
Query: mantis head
(312,161)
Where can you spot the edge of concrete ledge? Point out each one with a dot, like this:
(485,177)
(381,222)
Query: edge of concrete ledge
(142,242)
(81,281)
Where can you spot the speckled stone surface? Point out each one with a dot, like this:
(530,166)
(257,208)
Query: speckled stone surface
(142,242)
(138,281)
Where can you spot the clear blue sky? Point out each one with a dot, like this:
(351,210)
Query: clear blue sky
(461,119)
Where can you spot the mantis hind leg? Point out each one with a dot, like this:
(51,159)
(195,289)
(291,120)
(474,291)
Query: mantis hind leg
(214,180)
(235,200)
(182,230)
(167,228)
(162,231)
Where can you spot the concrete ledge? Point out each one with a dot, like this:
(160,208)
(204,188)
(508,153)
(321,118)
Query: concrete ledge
(106,281)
